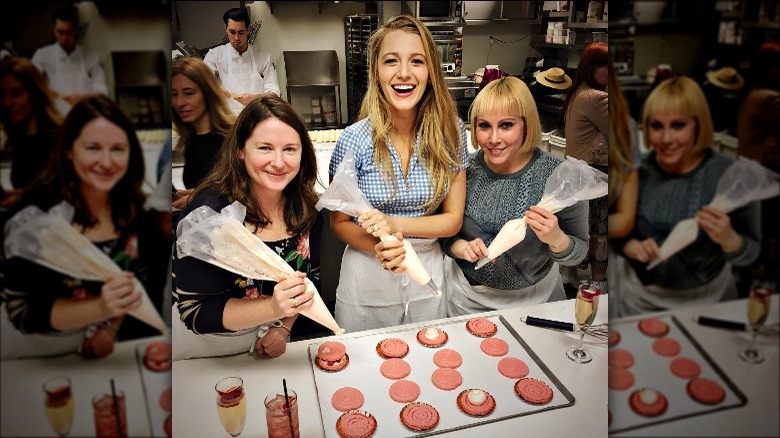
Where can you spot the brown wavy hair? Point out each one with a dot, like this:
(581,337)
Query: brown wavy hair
(436,120)
(45,112)
(220,116)
(230,178)
(59,182)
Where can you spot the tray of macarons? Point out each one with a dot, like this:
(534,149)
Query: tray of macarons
(659,373)
(154,362)
(428,379)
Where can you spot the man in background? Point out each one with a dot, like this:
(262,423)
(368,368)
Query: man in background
(72,70)
(245,71)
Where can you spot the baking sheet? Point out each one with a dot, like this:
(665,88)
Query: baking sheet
(478,370)
(651,370)
(154,383)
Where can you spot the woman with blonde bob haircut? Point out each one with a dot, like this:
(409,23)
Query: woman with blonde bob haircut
(410,156)
(202,120)
(510,171)
(677,180)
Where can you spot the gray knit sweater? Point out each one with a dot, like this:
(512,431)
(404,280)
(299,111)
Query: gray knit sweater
(665,199)
(492,200)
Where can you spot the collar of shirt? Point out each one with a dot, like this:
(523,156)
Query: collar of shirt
(62,55)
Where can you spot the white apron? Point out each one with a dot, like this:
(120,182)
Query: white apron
(70,75)
(16,345)
(465,299)
(635,298)
(188,345)
(370,297)
(239,80)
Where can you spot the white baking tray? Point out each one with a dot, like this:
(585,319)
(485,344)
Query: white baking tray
(154,383)
(651,370)
(478,370)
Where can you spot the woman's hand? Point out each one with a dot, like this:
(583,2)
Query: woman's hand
(119,295)
(100,344)
(545,224)
(377,223)
(469,251)
(180,198)
(290,296)
(717,225)
(392,253)
(273,343)
(644,250)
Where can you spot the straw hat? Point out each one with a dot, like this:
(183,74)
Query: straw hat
(726,77)
(554,78)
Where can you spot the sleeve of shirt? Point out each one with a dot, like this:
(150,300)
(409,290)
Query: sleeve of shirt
(345,142)
(599,116)
(39,59)
(30,292)
(267,70)
(746,221)
(574,222)
(463,147)
(211,59)
(96,74)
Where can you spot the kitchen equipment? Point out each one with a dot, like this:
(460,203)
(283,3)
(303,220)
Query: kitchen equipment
(439,11)
(357,30)
(463,90)
(448,38)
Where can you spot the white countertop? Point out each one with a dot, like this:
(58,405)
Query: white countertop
(22,395)
(194,381)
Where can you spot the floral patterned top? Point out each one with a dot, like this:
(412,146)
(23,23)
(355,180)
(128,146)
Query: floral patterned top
(202,290)
(31,289)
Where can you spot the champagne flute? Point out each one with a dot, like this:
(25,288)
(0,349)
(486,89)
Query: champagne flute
(585,307)
(757,310)
(231,404)
(59,404)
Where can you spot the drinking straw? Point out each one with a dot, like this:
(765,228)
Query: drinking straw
(116,409)
(289,410)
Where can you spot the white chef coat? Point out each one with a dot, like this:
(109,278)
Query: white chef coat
(79,72)
(253,72)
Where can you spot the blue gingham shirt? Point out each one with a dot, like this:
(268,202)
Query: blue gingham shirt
(412,192)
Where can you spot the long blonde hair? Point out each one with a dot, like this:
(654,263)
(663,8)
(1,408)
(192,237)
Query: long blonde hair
(220,116)
(440,148)
(621,140)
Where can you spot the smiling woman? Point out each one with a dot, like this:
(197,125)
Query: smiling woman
(97,167)
(267,164)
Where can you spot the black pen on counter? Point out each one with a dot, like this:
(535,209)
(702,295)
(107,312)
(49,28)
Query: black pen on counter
(549,323)
(720,323)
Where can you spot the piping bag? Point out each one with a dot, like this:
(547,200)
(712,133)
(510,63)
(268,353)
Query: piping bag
(743,182)
(49,239)
(344,195)
(221,239)
(571,181)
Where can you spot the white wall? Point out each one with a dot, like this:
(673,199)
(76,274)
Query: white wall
(510,57)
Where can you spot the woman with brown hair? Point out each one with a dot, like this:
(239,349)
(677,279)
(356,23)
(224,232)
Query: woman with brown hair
(410,158)
(585,122)
(267,163)
(30,118)
(97,167)
(202,119)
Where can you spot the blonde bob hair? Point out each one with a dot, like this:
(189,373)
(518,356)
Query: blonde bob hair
(508,95)
(680,95)
(436,119)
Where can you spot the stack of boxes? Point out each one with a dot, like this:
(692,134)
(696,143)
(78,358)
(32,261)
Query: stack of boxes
(557,33)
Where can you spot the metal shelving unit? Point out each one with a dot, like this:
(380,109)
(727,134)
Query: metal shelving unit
(357,30)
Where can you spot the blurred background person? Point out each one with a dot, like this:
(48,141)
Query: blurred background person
(97,167)
(677,180)
(759,139)
(268,165)
(245,71)
(30,118)
(585,121)
(202,120)
(72,70)
(509,170)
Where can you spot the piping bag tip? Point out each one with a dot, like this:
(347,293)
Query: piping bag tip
(481,262)
(340,331)
(433,288)
(653,263)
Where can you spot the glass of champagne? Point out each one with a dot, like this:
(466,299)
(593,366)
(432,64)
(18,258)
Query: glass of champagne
(585,307)
(757,310)
(58,401)
(231,404)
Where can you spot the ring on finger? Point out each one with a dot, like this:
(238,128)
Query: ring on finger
(295,302)
(384,266)
(366,217)
(374,228)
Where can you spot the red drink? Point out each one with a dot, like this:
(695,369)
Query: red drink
(277,417)
(106,424)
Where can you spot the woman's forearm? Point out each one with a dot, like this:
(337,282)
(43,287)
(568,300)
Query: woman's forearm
(351,233)
(240,314)
(69,314)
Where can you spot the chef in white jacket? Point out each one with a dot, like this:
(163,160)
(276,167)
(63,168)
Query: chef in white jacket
(72,70)
(244,70)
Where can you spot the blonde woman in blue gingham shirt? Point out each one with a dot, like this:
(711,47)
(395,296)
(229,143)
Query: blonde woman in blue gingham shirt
(410,158)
